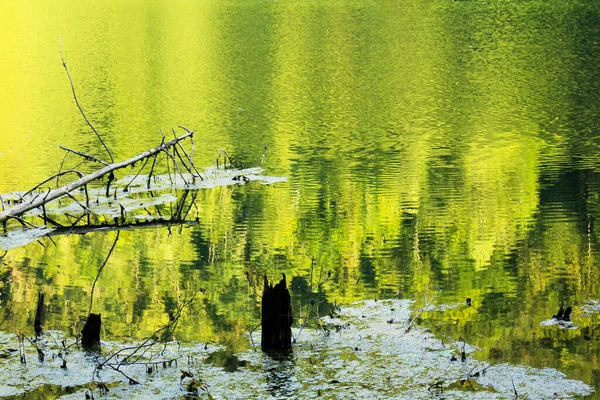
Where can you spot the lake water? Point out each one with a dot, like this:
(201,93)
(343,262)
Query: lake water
(426,144)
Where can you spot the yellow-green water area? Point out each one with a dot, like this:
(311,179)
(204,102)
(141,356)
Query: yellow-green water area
(424,145)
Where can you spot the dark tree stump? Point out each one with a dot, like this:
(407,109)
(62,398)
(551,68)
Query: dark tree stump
(39,315)
(276,316)
(90,334)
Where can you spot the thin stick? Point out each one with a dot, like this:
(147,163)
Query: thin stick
(151,170)
(189,158)
(225,158)
(84,155)
(192,203)
(175,166)
(70,171)
(22,221)
(78,203)
(61,167)
(100,270)
(189,169)
(8,311)
(253,329)
(136,175)
(421,310)
(64,63)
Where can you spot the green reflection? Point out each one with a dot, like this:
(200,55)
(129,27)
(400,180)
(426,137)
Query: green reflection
(441,144)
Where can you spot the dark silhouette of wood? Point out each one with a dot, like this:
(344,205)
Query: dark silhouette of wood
(39,315)
(567,314)
(276,316)
(559,314)
(90,334)
(563,314)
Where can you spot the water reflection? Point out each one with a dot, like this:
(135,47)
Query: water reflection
(279,371)
(447,144)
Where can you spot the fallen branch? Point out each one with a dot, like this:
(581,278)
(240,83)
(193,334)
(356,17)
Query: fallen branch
(427,304)
(22,208)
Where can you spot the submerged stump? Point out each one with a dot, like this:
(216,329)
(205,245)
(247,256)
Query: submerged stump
(276,316)
(39,315)
(90,334)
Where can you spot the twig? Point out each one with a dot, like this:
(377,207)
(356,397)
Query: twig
(78,203)
(190,158)
(173,322)
(84,155)
(23,222)
(10,305)
(151,170)
(311,300)
(100,270)
(175,166)
(427,304)
(192,203)
(70,171)
(262,160)
(136,175)
(64,63)
(225,158)
(253,329)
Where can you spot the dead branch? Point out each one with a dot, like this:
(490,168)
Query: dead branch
(7,312)
(86,156)
(420,311)
(64,63)
(84,229)
(100,270)
(66,189)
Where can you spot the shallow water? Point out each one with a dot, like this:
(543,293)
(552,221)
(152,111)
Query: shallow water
(446,144)
(364,351)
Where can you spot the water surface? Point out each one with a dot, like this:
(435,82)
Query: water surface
(438,144)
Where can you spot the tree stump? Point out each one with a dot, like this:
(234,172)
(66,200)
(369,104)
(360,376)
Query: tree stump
(39,315)
(90,334)
(276,316)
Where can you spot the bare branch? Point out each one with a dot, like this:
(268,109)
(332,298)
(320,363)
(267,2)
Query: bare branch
(100,270)
(64,63)
(62,191)
(84,155)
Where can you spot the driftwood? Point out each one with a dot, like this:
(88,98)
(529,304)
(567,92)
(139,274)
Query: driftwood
(42,200)
(276,316)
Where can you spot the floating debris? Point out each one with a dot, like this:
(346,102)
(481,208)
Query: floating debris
(130,198)
(591,307)
(22,237)
(368,358)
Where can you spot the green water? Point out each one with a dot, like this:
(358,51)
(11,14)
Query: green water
(450,144)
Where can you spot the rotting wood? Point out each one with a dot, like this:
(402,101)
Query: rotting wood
(276,316)
(65,190)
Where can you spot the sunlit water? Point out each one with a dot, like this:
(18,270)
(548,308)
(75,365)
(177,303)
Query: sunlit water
(426,145)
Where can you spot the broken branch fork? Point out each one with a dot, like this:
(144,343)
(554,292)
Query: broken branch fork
(40,201)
